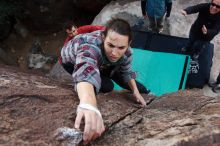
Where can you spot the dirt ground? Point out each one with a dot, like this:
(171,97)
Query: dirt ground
(18,47)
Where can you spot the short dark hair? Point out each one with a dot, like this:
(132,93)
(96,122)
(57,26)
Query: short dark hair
(120,26)
(68,25)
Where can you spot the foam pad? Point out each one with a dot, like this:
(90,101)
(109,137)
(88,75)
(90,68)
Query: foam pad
(160,72)
(199,71)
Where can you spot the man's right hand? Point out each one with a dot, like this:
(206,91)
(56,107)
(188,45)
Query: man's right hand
(87,109)
(183,12)
(94,125)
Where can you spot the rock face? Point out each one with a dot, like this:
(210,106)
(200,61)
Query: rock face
(181,119)
(59,73)
(50,15)
(47,15)
(130,11)
(6,58)
(32,107)
(94,7)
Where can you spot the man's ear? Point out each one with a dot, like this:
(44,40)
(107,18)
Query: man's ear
(130,43)
(103,36)
(67,30)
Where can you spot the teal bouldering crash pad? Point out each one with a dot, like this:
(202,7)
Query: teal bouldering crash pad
(160,72)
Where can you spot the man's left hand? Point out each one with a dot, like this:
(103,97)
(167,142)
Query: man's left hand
(139,98)
(204,29)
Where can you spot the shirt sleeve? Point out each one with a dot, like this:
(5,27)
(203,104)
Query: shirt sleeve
(126,68)
(196,8)
(86,66)
(211,33)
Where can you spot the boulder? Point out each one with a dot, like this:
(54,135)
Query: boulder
(128,10)
(6,58)
(93,7)
(60,74)
(47,15)
(33,107)
(43,16)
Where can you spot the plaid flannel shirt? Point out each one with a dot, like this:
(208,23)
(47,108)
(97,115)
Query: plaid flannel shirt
(86,54)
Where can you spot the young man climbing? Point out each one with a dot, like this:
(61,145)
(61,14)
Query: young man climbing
(93,59)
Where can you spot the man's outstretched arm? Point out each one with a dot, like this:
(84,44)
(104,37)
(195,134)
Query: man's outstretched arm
(88,110)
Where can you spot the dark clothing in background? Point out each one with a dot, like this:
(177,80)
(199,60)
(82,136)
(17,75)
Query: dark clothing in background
(218,79)
(211,22)
(156,8)
(155,11)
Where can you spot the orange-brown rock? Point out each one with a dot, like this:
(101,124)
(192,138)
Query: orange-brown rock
(32,107)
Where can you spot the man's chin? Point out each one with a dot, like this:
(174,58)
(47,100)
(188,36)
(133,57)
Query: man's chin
(213,12)
(113,60)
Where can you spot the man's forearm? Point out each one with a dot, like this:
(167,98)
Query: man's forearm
(86,93)
(133,86)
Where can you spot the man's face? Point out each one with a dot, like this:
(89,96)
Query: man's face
(215,7)
(72,32)
(115,45)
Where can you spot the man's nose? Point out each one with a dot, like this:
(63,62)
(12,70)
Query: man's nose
(114,51)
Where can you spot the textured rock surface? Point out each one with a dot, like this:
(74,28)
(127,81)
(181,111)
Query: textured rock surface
(49,15)
(184,118)
(59,73)
(128,10)
(95,6)
(32,107)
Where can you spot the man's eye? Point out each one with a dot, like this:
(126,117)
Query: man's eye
(111,46)
(121,48)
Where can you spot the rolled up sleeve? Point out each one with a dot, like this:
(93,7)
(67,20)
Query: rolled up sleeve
(86,66)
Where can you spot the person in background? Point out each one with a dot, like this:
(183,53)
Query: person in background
(155,10)
(72,30)
(93,59)
(216,85)
(205,27)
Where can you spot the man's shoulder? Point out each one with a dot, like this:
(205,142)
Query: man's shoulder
(90,38)
(129,52)
(203,5)
(90,34)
